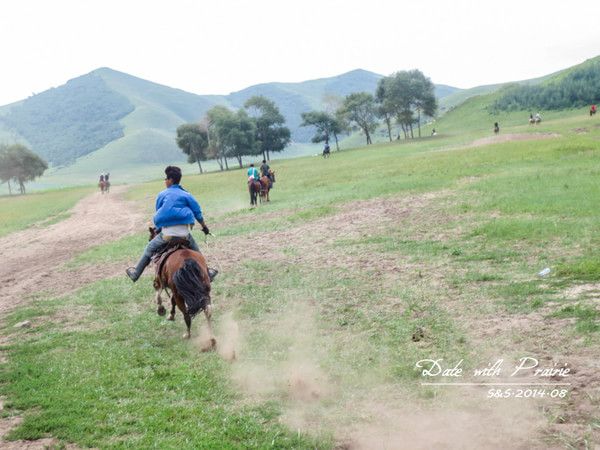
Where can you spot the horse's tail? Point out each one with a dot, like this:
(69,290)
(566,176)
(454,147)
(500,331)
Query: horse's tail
(189,284)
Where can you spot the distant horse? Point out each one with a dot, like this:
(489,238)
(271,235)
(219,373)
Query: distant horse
(592,110)
(326,152)
(104,186)
(185,274)
(496,128)
(253,190)
(265,187)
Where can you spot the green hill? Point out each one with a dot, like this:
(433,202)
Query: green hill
(112,114)
(109,120)
(575,87)
(70,121)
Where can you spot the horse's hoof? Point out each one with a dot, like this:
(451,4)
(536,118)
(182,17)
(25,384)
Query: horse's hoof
(171,317)
(187,336)
(210,345)
(161,310)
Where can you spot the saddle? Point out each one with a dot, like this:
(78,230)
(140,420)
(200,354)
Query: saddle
(173,244)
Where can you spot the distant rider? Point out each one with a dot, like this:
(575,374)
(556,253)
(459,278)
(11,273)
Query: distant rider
(252,172)
(176,210)
(265,171)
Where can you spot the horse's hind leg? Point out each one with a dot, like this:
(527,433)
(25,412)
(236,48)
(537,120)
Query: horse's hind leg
(161,311)
(213,342)
(172,315)
(188,324)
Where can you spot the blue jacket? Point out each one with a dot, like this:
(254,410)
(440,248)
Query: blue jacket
(176,206)
(252,172)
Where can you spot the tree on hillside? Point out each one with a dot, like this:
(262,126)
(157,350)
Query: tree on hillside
(20,164)
(423,93)
(216,149)
(403,94)
(271,134)
(192,138)
(237,133)
(385,109)
(326,125)
(359,108)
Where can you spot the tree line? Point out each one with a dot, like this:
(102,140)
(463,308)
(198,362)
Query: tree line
(402,99)
(256,129)
(579,87)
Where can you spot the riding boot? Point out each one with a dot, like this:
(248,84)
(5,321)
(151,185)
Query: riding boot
(135,273)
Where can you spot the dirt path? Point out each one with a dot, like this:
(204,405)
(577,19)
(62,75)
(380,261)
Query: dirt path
(33,261)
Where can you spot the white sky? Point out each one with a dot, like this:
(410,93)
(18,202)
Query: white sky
(220,46)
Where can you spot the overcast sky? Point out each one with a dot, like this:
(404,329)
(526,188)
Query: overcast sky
(220,46)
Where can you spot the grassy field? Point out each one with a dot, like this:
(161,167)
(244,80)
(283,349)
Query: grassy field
(361,265)
(22,211)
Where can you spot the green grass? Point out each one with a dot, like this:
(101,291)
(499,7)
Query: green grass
(588,317)
(463,234)
(128,248)
(45,208)
(583,268)
(116,375)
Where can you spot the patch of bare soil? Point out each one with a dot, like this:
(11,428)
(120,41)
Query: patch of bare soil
(33,261)
(582,130)
(555,344)
(500,138)
(465,425)
(314,240)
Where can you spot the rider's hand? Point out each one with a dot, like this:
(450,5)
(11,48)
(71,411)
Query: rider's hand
(205,229)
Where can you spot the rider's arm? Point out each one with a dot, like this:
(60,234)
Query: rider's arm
(195,207)
(159,201)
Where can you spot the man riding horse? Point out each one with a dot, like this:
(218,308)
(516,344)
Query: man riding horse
(265,171)
(176,210)
(253,172)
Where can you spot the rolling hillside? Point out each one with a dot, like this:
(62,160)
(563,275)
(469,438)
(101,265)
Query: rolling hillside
(107,119)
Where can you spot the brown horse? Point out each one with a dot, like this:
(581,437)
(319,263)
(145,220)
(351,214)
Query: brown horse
(104,186)
(254,188)
(184,273)
(265,187)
